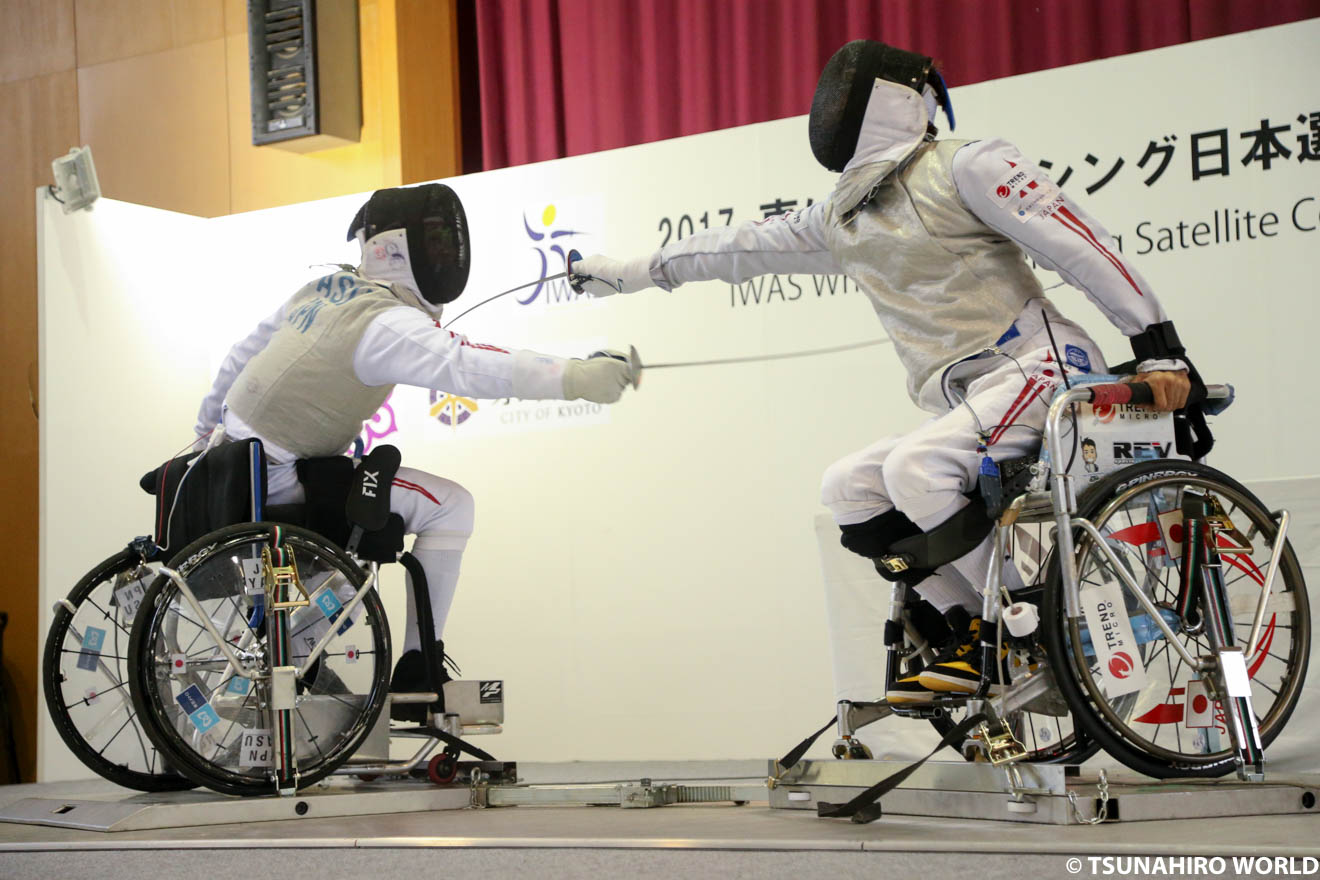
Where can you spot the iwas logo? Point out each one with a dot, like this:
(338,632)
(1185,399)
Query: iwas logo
(451,410)
(550,240)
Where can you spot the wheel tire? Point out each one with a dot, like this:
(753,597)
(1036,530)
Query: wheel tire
(1059,634)
(52,680)
(141,665)
(442,769)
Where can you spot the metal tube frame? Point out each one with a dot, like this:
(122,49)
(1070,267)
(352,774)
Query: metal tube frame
(181,583)
(1128,581)
(392,767)
(1065,501)
(1265,589)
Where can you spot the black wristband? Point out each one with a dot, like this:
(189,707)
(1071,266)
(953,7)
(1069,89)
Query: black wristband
(1157,342)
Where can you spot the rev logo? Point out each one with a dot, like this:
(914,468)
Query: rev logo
(492,691)
(1144,450)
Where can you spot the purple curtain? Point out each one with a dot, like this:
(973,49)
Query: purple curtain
(563,77)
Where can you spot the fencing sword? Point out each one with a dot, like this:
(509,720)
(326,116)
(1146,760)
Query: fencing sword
(555,277)
(635,360)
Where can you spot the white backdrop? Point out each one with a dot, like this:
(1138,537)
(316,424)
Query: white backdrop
(646,578)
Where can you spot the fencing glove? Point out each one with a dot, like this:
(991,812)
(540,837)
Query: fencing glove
(600,276)
(600,378)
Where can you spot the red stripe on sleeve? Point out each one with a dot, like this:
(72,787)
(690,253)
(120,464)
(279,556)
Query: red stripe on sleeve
(1081,229)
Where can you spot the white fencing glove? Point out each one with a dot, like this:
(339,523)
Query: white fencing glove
(601,276)
(601,377)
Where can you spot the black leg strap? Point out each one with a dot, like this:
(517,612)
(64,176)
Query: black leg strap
(426,627)
(866,806)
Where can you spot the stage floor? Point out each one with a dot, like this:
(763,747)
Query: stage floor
(680,840)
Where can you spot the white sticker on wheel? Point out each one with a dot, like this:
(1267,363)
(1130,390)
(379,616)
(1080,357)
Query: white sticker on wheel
(256,748)
(129,597)
(1117,652)
(1200,710)
(254,583)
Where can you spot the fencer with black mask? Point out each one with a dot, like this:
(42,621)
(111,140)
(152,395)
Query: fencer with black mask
(308,376)
(936,233)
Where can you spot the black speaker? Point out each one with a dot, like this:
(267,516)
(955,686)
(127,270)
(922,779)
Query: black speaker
(304,73)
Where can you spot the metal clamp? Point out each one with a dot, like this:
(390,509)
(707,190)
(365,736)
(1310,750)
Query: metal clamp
(895,564)
(1001,748)
(283,577)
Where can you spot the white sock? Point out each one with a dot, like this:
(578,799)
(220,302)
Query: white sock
(441,567)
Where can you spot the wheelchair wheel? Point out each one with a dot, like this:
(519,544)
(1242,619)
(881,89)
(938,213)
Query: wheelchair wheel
(84,674)
(1149,730)
(217,727)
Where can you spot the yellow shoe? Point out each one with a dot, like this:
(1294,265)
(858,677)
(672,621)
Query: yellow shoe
(958,670)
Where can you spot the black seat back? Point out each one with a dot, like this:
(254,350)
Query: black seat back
(200,492)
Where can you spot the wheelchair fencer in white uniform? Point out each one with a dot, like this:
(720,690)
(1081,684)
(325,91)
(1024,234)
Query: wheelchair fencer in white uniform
(936,232)
(302,383)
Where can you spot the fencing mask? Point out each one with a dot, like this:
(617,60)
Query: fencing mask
(844,89)
(421,234)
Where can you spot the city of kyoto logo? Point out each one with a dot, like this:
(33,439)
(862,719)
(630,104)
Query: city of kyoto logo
(451,410)
(546,243)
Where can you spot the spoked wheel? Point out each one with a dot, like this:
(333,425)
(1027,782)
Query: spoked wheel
(84,675)
(218,727)
(1150,730)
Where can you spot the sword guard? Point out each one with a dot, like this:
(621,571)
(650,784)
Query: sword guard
(635,360)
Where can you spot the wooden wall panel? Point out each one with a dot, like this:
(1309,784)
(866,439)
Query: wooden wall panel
(36,38)
(112,29)
(263,177)
(158,129)
(196,21)
(430,137)
(109,30)
(43,117)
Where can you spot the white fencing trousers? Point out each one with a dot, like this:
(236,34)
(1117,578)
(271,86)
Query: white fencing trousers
(925,473)
(440,512)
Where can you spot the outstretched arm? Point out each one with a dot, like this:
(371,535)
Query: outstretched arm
(403,346)
(784,243)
